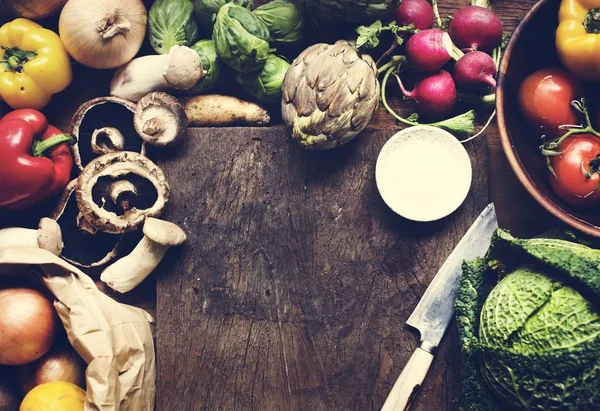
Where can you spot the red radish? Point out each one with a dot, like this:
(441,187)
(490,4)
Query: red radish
(429,50)
(435,94)
(416,12)
(475,71)
(476,28)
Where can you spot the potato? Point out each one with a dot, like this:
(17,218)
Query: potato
(217,110)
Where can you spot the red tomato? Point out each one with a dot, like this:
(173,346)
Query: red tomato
(570,183)
(545,99)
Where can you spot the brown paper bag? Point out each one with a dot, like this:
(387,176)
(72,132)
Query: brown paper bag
(114,339)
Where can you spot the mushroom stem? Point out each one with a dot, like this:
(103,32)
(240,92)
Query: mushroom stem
(153,126)
(47,237)
(128,272)
(181,69)
(107,140)
(123,193)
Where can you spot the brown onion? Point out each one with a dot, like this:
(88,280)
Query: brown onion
(35,9)
(8,399)
(27,325)
(59,364)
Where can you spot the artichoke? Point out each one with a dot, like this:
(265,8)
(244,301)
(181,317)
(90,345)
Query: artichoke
(206,11)
(284,20)
(241,39)
(210,63)
(265,85)
(329,95)
(171,23)
(352,11)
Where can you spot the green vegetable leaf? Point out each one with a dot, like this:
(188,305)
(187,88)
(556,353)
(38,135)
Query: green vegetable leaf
(413,117)
(446,23)
(171,23)
(368,36)
(284,20)
(206,12)
(265,85)
(533,341)
(460,125)
(241,39)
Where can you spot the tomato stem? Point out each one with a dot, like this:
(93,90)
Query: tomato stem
(586,128)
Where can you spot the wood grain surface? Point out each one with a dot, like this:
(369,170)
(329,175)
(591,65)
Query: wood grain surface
(312,315)
(295,284)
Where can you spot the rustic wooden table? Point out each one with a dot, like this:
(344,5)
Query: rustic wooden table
(516,210)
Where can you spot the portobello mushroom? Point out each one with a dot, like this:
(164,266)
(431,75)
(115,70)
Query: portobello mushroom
(104,125)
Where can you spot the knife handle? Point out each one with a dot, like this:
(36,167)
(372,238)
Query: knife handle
(409,382)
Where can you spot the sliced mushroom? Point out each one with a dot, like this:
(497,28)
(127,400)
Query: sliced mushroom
(103,125)
(102,209)
(84,246)
(160,119)
(107,140)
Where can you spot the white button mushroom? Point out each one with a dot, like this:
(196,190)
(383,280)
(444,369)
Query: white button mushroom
(128,272)
(160,119)
(47,237)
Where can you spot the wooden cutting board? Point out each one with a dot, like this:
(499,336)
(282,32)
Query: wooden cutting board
(293,289)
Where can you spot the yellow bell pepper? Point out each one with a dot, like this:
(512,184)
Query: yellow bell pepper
(578,38)
(35,64)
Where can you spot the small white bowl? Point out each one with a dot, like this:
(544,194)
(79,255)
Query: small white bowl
(423,173)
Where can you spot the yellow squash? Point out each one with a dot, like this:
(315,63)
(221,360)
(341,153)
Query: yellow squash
(35,65)
(578,37)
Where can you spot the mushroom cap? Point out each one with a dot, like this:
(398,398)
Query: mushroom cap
(49,236)
(163,232)
(184,68)
(83,248)
(88,109)
(118,165)
(160,119)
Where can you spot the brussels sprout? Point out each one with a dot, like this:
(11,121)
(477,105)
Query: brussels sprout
(284,20)
(211,64)
(171,23)
(206,11)
(241,39)
(265,85)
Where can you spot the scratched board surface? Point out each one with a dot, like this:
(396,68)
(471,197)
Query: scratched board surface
(293,289)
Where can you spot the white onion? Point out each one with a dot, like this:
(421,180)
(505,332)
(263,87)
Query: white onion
(103,34)
(27,325)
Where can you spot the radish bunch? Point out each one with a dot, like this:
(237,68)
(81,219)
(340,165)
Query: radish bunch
(474,32)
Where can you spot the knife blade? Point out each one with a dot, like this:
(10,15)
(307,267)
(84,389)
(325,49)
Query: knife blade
(434,312)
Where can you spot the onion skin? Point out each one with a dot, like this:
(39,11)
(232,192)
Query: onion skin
(103,34)
(35,9)
(59,364)
(27,325)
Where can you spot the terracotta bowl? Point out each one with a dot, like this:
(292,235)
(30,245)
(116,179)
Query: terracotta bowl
(531,48)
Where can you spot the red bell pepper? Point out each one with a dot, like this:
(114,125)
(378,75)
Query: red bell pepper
(35,161)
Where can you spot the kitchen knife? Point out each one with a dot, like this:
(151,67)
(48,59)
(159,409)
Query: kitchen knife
(435,310)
